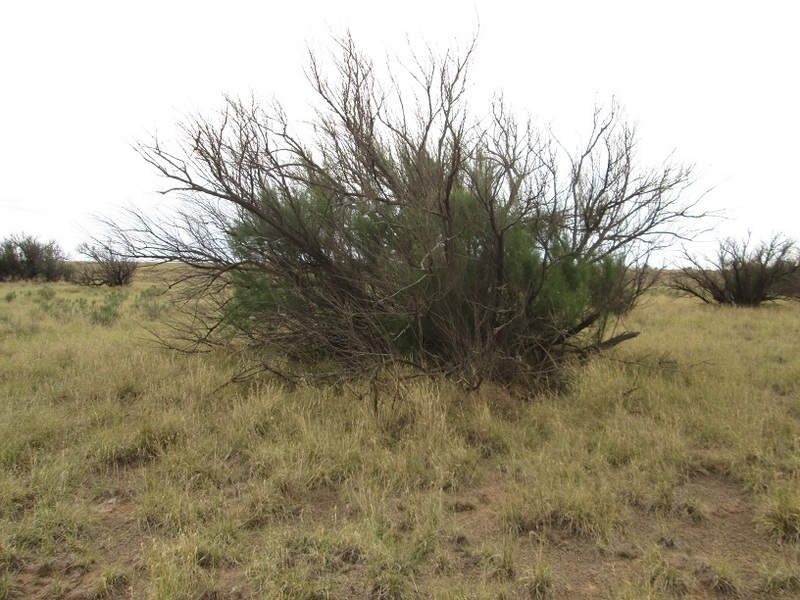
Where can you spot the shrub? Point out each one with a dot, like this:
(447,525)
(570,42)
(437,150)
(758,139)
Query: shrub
(107,312)
(404,234)
(25,257)
(743,275)
(152,301)
(108,266)
(45,293)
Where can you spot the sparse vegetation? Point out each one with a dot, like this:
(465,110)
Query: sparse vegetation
(720,577)
(537,581)
(103,311)
(130,471)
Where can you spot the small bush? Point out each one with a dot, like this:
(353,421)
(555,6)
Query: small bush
(107,312)
(62,309)
(46,293)
(743,275)
(147,301)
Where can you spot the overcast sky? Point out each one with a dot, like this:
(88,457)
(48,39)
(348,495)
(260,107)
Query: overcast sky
(715,83)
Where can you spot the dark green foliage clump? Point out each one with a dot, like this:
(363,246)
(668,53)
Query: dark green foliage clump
(26,258)
(383,289)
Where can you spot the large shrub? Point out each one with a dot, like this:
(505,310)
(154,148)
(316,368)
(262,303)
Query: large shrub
(399,229)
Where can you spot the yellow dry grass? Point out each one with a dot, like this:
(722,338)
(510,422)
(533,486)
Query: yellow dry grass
(668,467)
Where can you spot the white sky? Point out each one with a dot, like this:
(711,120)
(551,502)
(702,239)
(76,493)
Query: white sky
(714,81)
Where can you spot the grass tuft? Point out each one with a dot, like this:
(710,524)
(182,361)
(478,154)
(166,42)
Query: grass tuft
(537,581)
(113,583)
(720,577)
(780,578)
(663,576)
(780,511)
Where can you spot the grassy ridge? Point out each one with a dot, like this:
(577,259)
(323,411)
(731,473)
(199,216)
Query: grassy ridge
(668,468)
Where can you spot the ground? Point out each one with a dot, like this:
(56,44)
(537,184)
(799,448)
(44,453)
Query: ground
(666,469)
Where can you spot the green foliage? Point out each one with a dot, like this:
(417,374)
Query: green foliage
(104,312)
(149,302)
(9,260)
(46,293)
(25,257)
(107,312)
(63,309)
(484,308)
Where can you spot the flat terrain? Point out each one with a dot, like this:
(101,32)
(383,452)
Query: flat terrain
(670,468)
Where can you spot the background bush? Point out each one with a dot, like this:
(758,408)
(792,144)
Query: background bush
(108,266)
(743,274)
(26,258)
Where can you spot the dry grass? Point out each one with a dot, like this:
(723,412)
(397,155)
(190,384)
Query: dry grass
(669,468)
